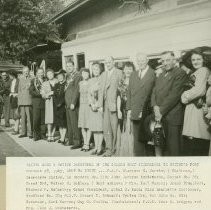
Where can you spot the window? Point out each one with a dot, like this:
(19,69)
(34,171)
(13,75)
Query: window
(80,61)
(69,58)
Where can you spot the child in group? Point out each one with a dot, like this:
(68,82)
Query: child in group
(84,109)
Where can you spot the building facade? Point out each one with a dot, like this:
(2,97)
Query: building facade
(94,29)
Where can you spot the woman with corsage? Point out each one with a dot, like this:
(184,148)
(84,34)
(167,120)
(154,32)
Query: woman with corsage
(124,135)
(59,102)
(95,115)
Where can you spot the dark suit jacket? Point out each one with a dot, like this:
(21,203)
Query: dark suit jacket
(72,91)
(167,93)
(14,99)
(37,101)
(5,87)
(139,92)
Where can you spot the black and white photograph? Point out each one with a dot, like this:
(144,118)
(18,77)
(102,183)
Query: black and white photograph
(105,78)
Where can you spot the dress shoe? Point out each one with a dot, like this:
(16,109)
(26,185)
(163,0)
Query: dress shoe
(22,136)
(15,133)
(86,150)
(31,137)
(107,154)
(43,136)
(60,142)
(94,152)
(37,138)
(75,147)
(99,153)
(66,143)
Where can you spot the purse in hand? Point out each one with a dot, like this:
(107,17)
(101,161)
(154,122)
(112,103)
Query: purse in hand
(158,135)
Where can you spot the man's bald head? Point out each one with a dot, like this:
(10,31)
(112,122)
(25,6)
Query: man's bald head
(109,61)
(25,71)
(142,60)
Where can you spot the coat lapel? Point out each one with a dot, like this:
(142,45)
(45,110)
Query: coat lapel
(141,82)
(165,79)
(108,80)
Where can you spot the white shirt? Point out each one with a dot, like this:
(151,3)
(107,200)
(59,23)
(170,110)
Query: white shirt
(110,73)
(12,89)
(143,72)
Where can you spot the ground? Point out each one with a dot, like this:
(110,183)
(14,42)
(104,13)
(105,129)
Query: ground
(12,146)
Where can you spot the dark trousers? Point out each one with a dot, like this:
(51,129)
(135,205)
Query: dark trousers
(173,135)
(7,110)
(39,128)
(196,147)
(74,135)
(139,138)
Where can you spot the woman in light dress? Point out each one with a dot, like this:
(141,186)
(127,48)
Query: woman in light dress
(83,117)
(47,92)
(196,129)
(95,115)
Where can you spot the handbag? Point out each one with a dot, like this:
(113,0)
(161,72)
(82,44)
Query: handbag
(13,102)
(158,135)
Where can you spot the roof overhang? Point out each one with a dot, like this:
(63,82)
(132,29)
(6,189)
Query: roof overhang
(70,8)
(43,47)
(6,66)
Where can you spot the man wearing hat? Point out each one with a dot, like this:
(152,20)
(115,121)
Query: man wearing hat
(5,92)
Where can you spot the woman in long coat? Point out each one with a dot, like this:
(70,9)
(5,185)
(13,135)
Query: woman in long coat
(59,104)
(196,129)
(47,92)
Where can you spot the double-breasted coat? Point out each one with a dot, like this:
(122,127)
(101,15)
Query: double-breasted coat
(72,97)
(167,92)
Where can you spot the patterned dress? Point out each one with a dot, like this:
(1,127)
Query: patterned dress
(124,135)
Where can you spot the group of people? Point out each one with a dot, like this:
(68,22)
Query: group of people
(136,111)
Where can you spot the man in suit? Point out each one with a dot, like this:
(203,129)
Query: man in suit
(108,103)
(166,102)
(5,92)
(72,105)
(38,105)
(25,103)
(139,92)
